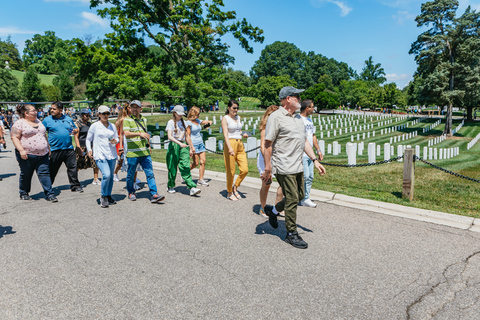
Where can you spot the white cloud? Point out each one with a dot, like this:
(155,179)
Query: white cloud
(400,79)
(5,31)
(92,19)
(403,16)
(81,1)
(345,9)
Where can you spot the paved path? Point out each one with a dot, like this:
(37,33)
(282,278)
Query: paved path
(209,258)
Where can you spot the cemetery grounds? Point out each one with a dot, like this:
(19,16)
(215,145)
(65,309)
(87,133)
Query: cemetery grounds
(434,189)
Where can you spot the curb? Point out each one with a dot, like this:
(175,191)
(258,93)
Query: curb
(391,209)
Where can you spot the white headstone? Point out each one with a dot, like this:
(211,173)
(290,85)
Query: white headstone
(251,144)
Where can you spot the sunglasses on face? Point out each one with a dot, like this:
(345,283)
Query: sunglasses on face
(235,108)
(295,95)
(106,113)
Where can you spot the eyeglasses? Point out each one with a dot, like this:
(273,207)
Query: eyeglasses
(295,95)
(106,113)
(235,108)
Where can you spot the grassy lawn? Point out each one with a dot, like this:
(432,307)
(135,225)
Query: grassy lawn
(44,78)
(434,189)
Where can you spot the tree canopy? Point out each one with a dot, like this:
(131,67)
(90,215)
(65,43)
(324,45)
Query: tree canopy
(9,52)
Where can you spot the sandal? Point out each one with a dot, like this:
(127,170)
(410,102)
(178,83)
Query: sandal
(232,197)
(237,194)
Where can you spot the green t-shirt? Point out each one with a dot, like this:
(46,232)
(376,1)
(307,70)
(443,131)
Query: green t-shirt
(137,146)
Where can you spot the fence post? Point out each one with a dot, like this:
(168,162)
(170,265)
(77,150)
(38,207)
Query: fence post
(408,174)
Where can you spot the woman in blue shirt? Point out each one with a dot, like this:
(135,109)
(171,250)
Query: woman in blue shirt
(195,125)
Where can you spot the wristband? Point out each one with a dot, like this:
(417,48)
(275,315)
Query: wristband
(316,159)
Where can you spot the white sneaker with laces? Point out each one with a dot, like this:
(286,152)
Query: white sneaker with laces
(171,190)
(202,183)
(195,191)
(115,178)
(308,203)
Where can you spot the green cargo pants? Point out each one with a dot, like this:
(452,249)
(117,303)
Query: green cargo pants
(179,157)
(292,187)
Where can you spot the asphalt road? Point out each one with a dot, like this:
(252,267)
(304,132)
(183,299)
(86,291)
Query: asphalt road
(209,258)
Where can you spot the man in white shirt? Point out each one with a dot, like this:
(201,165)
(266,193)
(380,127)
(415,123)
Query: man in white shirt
(306,110)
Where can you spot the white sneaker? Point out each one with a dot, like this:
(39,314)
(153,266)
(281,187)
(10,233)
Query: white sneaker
(194,191)
(308,203)
(97,182)
(202,183)
(115,178)
(171,190)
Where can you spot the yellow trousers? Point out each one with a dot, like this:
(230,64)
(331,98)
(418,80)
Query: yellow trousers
(240,158)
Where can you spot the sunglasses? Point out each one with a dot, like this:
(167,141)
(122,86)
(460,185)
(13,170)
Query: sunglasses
(106,113)
(235,108)
(296,95)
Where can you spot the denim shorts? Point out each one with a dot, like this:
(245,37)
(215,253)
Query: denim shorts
(199,148)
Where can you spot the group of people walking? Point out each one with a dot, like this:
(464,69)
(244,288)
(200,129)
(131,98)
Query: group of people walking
(286,151)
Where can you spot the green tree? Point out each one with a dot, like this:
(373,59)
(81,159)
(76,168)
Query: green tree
(352,91)
(47,53)
(31,89)
(268,88)
(51,93)
(65,86)
(322,97)
(444,56)
(8,86)
(373,73)
(190,32)
(9,52)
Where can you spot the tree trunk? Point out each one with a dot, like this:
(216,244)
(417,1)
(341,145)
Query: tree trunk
(448,122)
(469,114)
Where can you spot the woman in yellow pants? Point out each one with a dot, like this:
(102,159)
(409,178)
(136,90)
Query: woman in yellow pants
(233,150)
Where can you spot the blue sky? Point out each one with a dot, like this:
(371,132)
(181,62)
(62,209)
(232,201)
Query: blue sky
(346,30)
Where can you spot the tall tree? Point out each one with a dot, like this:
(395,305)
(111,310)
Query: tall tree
(31,89)
(441,53)
(190,32)
(9,52)
(268,88)
(8,86)
(372,72)
(65,85)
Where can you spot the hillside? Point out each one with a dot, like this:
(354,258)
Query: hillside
(44,78)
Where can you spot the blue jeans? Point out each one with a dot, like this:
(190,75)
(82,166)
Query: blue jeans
(308,169)
(146,163)
(106,167)
(41,164)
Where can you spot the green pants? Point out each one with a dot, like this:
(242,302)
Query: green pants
(292,187)
(179,157)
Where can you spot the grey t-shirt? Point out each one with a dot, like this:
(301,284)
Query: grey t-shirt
(287,132)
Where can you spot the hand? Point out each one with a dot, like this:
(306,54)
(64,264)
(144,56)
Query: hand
(183,145)
(192,152)
(24,155)
(79,151)
(120,151)
(320,168)
(320,155)
(230,152)
(113,141)
(145,135)
(245,135)
(90,154)
(266,175)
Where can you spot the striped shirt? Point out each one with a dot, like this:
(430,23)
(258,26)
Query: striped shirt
(136,146)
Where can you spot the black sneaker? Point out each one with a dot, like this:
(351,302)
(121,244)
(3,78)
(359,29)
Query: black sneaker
(25,197)
(52,199)
(77,189)
(295,240)
(272,217)
(104,202)
(111,200)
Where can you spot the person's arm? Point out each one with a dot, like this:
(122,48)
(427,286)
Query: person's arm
(315,144)
(225,136)
(309,151)
(188,139)
(172,139)
(89,139)
(267,174)
(16,135)
(262,143)
(77,142)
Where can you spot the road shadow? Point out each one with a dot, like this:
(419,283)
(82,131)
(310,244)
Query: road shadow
(7,175)
(4,230)
(280,232)
(397,194)
(224,194)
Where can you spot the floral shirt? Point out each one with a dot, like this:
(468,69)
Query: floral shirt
(33,139)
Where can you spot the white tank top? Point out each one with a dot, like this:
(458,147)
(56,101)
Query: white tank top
(234,128)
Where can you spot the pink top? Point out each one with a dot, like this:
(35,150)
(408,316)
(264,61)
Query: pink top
(33,139)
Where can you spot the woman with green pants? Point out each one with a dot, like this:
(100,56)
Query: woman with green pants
(179,152)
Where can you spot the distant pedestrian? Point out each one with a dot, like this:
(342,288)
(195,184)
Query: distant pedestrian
(83,160)
(179,151)
(138,143)
(261,164)
(306,110)
(285,142)
(199,156)
(104,137)
(61,129)
(3,143)
(234,150)
(31,150)
(475,115)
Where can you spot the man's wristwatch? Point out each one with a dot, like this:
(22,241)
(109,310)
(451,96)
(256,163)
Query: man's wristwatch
(316,159)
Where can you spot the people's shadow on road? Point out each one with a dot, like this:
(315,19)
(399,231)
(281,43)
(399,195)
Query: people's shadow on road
(4,230)
(7,175)
(266,228)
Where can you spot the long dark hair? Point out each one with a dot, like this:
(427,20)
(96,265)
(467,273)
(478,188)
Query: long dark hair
(230,104)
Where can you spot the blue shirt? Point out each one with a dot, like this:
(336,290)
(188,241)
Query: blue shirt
(58,132)
(195,129)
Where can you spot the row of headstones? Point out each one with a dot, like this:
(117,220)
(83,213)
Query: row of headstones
(403,137)
(436,140)
(374,151)
(430,127)
(472,143)
(459,127)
